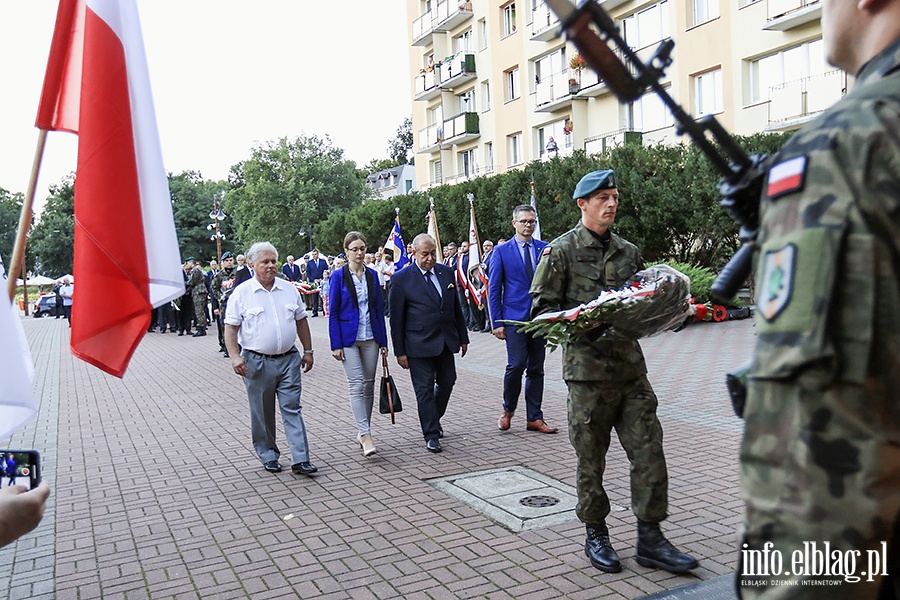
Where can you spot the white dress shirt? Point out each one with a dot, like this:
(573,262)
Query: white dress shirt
(267,319)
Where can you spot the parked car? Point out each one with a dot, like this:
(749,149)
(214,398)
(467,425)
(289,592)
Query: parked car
(45,306)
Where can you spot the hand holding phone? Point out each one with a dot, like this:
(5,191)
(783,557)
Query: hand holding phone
(20,512)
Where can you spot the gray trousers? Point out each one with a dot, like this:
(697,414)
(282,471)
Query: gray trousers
(268,378)
(360,362)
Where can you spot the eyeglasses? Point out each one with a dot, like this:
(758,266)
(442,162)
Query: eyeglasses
(526,221)
(362,249)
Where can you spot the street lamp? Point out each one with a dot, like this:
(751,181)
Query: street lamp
(216,215)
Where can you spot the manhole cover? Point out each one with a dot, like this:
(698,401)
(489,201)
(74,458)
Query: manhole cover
(538,501)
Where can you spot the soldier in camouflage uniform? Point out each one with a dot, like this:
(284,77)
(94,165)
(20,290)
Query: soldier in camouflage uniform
(222,285)
(197,284)
(607,381)
(820,457)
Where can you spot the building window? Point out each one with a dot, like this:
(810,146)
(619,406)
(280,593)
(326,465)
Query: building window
(512,84)
(549,65)
(463,43)
(705,10)
(647,27)
(648,113)
(409,185)
(792,64)
(561,139)
(483,35)
(467,101)
(489,156)
(514,145)
(466,162)
(509,19)
(435,171)
(708,93)
(486,95)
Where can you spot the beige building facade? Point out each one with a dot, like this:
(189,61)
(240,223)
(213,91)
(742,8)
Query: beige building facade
(495,88)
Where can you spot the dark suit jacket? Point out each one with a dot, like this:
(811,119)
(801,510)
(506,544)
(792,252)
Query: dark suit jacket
(291,271)
(508,284)
(241,275)
(422,327)
(315,269)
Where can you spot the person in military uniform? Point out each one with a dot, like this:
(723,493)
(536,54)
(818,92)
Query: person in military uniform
(607,381)
(197,284)
(222,286)
(820,456)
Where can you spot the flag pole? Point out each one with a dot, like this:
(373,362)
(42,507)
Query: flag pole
(17,263)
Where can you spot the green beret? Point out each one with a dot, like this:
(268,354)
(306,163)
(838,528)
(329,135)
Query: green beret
(227,255)
(595,180)
(191,258)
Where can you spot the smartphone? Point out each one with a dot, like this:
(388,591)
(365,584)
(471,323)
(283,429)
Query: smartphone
(20,467)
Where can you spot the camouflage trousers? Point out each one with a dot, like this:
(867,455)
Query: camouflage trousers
(200,311)
(820,477)
(595,409)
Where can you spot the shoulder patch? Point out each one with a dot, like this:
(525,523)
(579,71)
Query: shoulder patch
(777,281)
(786,177)
(546,251)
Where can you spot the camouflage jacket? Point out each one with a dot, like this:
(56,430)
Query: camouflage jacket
(222,285)
(828,269)
(573,270)
(196,283)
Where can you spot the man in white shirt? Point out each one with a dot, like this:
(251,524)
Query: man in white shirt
(266,315)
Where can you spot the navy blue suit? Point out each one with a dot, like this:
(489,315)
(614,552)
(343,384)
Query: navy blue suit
(428,330)
(508,285)
(291,271)
(315,271)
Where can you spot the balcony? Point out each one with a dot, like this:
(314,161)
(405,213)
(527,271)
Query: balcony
(788,14)
(455,130)
(544,23)
(608,5)
(797,101)
(427,86)
(612,139)
(446,15)
(555,92)
(592,85)
(457,69)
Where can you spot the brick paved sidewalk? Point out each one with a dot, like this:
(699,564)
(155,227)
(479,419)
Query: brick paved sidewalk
(158,494)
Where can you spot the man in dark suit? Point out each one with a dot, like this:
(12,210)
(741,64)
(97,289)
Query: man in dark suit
(290,270)
(242,272)
(315,271)
(428,328)
(509,279)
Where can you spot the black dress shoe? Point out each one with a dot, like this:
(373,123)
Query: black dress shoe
(199,333)
(433,446)
(303,468)
(180,333)
(441,434)
(225,354)
(599,550)
(272,466)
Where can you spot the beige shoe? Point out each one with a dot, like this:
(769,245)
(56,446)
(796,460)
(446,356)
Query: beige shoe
(368,444)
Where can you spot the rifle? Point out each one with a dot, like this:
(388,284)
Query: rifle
(629,77)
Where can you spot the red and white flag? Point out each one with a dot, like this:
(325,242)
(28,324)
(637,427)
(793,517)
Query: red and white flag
(472,280)
(126,253)
(16,368)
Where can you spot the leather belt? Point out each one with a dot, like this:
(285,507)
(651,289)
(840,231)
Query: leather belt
(282,355)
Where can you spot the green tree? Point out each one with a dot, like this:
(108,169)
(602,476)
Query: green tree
(291,185)
(192,202)
(52,240)
(10,208)
(400,145)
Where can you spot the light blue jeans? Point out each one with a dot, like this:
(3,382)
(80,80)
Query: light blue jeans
(360,362)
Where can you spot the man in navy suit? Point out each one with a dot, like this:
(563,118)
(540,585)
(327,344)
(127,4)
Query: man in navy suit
(428,328)
(290,270)
(509,279)
(315,270)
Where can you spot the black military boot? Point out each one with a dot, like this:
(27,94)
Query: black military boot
(599,550)
(655,551)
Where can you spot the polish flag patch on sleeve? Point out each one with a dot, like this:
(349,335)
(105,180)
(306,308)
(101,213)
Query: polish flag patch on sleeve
(786,177)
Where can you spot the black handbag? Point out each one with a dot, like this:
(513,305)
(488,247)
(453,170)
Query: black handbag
(389,401)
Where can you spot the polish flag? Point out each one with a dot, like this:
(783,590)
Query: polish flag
(126,253)
(786,177)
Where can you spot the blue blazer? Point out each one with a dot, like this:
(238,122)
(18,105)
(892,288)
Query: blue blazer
(343,309)
(508,284)
(422,326)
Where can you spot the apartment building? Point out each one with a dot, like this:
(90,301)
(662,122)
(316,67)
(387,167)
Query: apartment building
(493,83)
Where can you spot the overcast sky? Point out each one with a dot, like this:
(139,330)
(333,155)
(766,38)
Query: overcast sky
(226,74)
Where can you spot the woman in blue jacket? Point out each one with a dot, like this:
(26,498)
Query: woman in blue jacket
(357,330)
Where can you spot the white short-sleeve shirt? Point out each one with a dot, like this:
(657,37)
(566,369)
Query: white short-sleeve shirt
(267,319)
